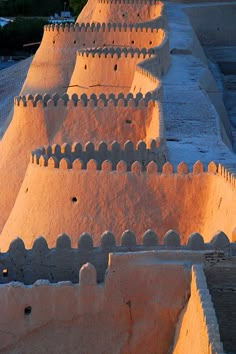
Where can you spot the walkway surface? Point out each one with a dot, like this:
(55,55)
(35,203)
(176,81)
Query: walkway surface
(11,81)
(191,120)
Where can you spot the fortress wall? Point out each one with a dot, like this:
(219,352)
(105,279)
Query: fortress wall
(105,34)
(53,64)
(101,73)
(68,121)
(166,201)
(94,119)
(63,263)
(19,139)
(147,72)
(220,207)
(123,316)
(198,330)
(120,11)
(214,25)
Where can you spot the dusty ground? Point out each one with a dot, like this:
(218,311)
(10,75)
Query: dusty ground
(11,81)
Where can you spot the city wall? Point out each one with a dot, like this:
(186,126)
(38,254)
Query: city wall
(206,200)
(63,263)
(104,73)
(93,118)
(41,120)
(123,315)
(198,330)
(120,11)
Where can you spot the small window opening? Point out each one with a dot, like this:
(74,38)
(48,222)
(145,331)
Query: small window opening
(28,310)
(128,121)
(115,67)
(74,41)
(138,15)
(113,42)
(94,42)
(5,272)
(85,67)
(53,42)
(132,42)
(150,42)
(84,44)
(74,200)
(123,15)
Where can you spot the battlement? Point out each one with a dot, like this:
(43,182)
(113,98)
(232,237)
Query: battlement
(85,100)
(130,2)
(114,157)
(128,159)
(103,27)
(41,262)
(111,52)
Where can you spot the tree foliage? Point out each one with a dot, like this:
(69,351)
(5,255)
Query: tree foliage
(30,7)
(22,31)
(77,6)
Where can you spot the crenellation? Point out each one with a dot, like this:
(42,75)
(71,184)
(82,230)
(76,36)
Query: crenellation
(172,239)
(90,101)
(47,262)
(137,160)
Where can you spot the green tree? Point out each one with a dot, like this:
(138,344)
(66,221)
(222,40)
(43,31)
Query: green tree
(77,6)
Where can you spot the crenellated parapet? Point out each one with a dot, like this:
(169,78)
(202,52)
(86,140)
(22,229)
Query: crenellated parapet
(84,100)
(128,158)
(130,2)
(104,157)
(102,27)
(63,263)
(113,52)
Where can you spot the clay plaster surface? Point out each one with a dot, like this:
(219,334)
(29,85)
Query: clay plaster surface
(124,315)
(166,201)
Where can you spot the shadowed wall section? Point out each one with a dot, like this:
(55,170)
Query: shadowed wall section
(124,315)
(198,330)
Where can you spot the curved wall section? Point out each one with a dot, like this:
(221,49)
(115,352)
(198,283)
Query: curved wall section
(93,198)
(120,11)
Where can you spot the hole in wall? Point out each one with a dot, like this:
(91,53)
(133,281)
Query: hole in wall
(74,199)
(85,67)
(94,42)
(26,191)
(123,15)
(115,67)
(113,42)
(137,14)
(84,44)
(5,272)
(150,42)
(128,121)
(132,42)
(28,310)
(74,41)
(53,42)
